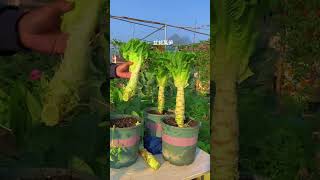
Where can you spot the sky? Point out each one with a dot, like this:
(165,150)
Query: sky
(174,12)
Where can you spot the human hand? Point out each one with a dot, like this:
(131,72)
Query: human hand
(39,29)
(122,70)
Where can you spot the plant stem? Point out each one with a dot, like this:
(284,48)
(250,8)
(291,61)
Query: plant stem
(180,106)
(132,84)
(161,99)
(226,131)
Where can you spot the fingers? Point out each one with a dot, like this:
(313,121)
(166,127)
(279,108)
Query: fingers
(46,18)
(123,70)
(126,75)
(62,6)
(124,67)
(50,43)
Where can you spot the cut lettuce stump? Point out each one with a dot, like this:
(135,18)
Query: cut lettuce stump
(63,90)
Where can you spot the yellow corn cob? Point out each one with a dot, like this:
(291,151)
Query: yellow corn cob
(150,159)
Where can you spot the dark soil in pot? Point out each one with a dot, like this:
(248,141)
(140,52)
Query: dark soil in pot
(123,122)
(188,122)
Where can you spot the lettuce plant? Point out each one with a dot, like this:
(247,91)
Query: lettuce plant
(63,89)
(179,66)
(137,52)
(158,66)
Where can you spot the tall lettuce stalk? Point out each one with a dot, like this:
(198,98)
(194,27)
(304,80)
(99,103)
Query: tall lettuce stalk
(234,23)
(162,75)
(179,66)
(63,91)
(162,81)
(137,52)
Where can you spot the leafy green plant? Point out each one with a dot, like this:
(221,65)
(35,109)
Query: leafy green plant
(234,25)
(63,91)
(161,72)
(22,111)
(179,66)
(137,52)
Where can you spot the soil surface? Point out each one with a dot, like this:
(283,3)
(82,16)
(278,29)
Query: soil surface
(188,122)
(157,113)
(123,122)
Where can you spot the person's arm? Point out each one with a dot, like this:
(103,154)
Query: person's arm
(9,37)
(38,29)
(120,70)
(113,71)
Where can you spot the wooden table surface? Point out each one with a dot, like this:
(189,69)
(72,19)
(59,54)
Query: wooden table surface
(167,171)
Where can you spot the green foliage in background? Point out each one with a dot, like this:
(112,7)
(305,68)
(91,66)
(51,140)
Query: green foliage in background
(274,146)
(297,26)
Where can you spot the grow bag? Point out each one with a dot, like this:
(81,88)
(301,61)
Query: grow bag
(179,144)
(152,139)
(153,122)
(128,142)
(43,173)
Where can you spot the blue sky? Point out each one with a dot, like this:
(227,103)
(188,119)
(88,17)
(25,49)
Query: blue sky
(174,12)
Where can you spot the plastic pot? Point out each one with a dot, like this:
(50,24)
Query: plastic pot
(153,122)
(153,129)
(127,141)
(179,144)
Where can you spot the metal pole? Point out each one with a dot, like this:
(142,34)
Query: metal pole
(165,32)
(165,36)
(168,25)
(152,33)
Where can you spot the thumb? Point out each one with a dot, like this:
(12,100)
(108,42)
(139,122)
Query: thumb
(127,64)
(63,6)
(122,67)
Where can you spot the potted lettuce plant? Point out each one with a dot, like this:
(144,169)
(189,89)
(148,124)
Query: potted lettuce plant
(153,115)
(179,132)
